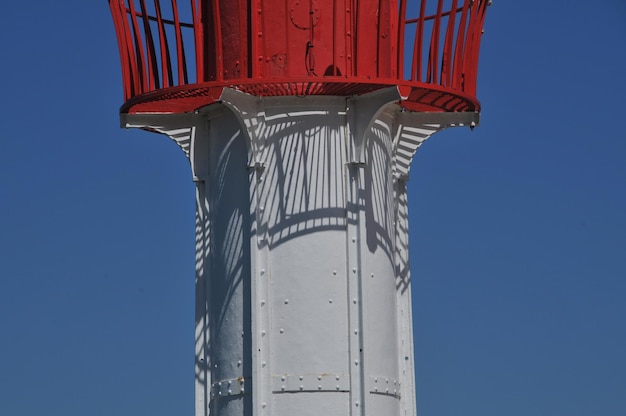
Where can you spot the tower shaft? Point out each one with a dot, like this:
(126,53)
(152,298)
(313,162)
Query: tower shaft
(302,272)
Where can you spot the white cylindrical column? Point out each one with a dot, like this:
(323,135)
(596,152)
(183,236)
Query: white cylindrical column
(303,287)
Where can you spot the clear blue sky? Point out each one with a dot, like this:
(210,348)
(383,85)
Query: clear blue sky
(518,229)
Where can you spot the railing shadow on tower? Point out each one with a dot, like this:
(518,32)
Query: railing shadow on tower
(173,56)
(313,156)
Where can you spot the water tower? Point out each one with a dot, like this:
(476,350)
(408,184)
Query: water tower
(300,119)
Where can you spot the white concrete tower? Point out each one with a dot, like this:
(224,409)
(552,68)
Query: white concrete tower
(303,301)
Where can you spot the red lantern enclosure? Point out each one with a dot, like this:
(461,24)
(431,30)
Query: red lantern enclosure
(179,57)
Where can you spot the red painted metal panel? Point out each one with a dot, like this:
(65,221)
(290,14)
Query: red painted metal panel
(400,39)
(268,47)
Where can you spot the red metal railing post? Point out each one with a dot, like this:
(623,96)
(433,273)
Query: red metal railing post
(459,50)
(116,12)
(198,35)
(142,78)
(166,62)
(447,57)
(433,56)
(153,71)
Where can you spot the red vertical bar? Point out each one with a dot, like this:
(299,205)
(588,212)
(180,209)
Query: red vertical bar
(141,58)
(476,26)
(130,47)
(217,33)
(400,44)
(433,57)
(180,51)
(198,35)
(152,70)
(418,46)
(446,60)
(467,84)
(132,53)
(119,13)
(166,62)
(459,50)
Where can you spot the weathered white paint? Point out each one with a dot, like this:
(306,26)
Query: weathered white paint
(303,301)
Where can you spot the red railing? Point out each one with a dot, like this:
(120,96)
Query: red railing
(427,44)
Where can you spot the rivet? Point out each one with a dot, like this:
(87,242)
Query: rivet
(282,388)
(301,387)
(230,391)
(337,386)
(263,364)
(238,362)
(319,377)
(337,378)
(219,393)
(263,405)
(354,270)
(282,330)
(356,404)
(286,301)
(263,302)
(262,333)
(354,300)
(282,378)
(301,378)
(242,390)
(330,301)
(375,379)
(376,389)
(219,383)
(230,382)
(334,272)
(319,386)
(356,362)
(262,271)
(372,274)
(356,331)
(354,239)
